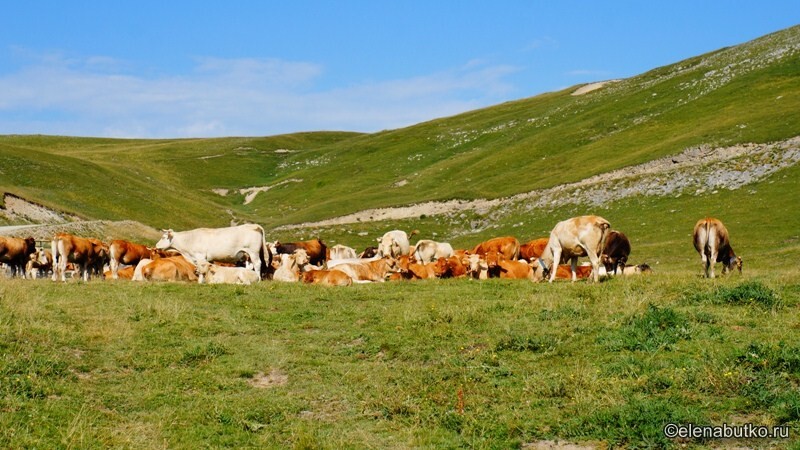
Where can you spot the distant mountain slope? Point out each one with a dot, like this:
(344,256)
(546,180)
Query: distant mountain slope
(749,93)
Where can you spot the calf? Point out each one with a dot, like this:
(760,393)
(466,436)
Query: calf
(415,271)
(616,252)
(291,266)
(712,242)
(452,267)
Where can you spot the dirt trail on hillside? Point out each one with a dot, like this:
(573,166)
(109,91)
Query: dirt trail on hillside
(694,171)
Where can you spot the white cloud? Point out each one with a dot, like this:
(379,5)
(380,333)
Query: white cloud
(101,96)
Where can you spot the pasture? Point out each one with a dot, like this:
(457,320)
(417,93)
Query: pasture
(440,363)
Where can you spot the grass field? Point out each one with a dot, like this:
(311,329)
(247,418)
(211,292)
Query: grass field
(444,364)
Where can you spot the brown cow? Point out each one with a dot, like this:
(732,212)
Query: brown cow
(616,252)
(362,272)
(327,278)
(565,271)
(16,252)
(712,242)
(39,264)
(415,271)
(570,239)
(126,273)
(499,266)
(507,246)
(315,248)
(128,253)
(452,267)
(532,249)
(174,268)
(89,255)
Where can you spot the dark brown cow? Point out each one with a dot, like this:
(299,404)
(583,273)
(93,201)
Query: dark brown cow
(122,252)
(532,249)
(315,248)
(88,255)
(369,252)
(712,242)
(16,252)
(507,246)
(616,252)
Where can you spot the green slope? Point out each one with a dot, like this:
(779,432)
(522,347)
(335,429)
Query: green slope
(747,93)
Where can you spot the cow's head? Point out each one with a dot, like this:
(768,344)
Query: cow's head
(440,267)
(30,246)
(301,257)
(540,269)
(202,268)
(166,240)
(733,262)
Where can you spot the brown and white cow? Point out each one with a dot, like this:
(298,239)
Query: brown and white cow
(616,252)
(39,264)
(331,277)
(507,246)
(426,251)
(88,255)
(315,249)
(291,266)
(16,252)
(569,240)
(712,241)
(121,252)
(220,244)
(532,249)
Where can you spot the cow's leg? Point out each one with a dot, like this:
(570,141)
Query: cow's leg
(556,262)
(255,262)
(114,265)
(54,251)
(573,265)
(594,259)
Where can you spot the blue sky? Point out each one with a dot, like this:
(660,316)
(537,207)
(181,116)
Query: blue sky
(255,68)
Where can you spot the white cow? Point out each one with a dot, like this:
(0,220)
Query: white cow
(570,239)
(216,274)
(394,243)
(427,251)
(291,266)
(339,251)
(219,244)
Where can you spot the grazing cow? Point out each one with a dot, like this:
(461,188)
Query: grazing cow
(39,264)
(16,252)
(332,277)
(174,268)
(339,251)
(569,240)
(216,274)
(394,244)
(532,249)
(123,252)
(315,249)
(220,244)
(616,252)
(89,255)
(711,240)
(499,266)
(507,246)
(125,273)
(427,251)
(291,266)
(369,252)
(363,272)
(452,267)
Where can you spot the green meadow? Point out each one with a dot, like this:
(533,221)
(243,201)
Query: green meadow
(429,364)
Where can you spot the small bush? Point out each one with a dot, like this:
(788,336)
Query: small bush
(747,293)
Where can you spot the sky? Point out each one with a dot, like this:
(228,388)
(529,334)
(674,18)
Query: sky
(175,69)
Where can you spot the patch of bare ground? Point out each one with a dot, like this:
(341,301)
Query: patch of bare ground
(694,171)
(274,378)
(558,445)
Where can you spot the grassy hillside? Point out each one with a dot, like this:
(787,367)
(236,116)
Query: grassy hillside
(747,93)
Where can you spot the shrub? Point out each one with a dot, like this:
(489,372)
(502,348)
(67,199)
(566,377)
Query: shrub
(656,329)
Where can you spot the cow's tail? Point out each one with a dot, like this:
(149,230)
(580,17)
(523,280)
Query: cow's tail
(265,256)
(604,228)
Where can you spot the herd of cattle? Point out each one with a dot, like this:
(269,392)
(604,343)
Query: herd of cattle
(241,254)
